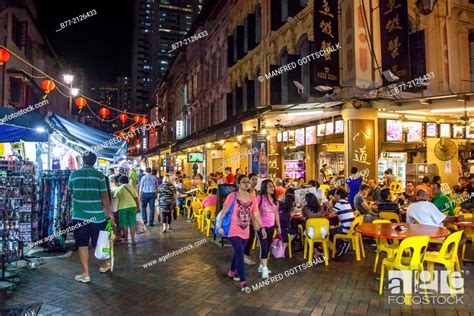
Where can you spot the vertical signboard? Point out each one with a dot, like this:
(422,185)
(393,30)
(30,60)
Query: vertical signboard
(179,129)
(259,158)
(394,38)
(326,23)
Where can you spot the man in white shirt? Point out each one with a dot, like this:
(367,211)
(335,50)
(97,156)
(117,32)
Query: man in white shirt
(425,212)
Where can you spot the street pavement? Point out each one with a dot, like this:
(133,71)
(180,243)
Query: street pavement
(195,283)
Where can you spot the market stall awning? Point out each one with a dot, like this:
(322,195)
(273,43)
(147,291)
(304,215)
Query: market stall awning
(85,138)
(29,127)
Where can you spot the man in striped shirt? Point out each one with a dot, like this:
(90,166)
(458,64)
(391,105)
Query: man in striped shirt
(90,202)
(344,212)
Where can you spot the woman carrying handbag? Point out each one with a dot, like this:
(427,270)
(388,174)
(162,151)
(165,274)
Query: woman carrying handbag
(127,208)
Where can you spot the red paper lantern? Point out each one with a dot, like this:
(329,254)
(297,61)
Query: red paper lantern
(4,56)
(123,117)
(104,112)
(48,85)
(144,121)
(132,129)
(122,134)
(137,118)
(81,102)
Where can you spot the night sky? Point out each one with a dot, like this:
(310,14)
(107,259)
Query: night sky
(101,44)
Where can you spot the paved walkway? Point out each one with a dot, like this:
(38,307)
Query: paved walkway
(195,283)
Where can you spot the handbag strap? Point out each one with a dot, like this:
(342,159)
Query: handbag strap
(125,186)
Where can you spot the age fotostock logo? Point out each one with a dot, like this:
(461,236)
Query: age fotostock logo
(425,287)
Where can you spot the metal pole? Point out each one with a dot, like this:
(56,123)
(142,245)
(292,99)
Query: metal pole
(70,102)
(48,166)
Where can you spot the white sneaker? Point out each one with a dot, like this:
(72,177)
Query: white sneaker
(265,273)
(260,267)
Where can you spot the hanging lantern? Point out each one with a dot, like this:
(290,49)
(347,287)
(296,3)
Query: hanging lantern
(123,117)
(144,121)
(48,85)
(137,118)
(132,129)
(104,112)
(4,56)
(81,102)
(122,134)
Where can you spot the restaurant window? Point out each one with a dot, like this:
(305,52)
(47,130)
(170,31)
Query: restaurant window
(16,91)
(303,46)
(258,86)
(284,10)
(471,55)
(417,56)
(284,76)
(258,23)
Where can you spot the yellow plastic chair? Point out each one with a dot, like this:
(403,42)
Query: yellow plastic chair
(383,245)
(447,255)
(469,233)
(325,188)
(416,247)
(210,188)
(301,232)
(316,224)
(391,216)
(356,213)
(354,237)
(198,213)
(209,217)
(457,210)
(187,206)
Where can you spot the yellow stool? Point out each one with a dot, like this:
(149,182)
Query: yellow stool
(316,224)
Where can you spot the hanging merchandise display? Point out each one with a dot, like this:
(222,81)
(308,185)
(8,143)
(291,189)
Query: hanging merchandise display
(55,213)
(18,207)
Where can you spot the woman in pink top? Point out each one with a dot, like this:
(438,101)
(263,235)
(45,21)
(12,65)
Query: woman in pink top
(211,200)
(268,206)
(245,208)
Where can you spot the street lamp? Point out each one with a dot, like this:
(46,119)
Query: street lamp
(68,79)
(74,92)
(425,6)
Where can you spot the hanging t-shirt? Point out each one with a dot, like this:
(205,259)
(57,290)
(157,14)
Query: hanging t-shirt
(240,218)
(267,210)
(56,164)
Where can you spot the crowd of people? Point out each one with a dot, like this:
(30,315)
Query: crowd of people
(261,210)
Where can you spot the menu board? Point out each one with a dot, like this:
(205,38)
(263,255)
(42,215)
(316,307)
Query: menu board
(279,137)
(458,131)
(299,137)
(311,135)
(431,130)
(329,128)
(415,132)
(394,131)
(468,132)
(285,136)
(321,129)
(339,126)
(445,130)
(294,169)
(301,193)
(291,136)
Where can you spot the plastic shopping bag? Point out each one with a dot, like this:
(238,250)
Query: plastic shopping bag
(102,251)
(141,228)
(114,204)
(278,248)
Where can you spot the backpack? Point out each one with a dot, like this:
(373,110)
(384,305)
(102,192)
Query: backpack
(225,221)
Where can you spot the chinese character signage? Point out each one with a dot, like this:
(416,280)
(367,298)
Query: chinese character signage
(179,129)
(326,37)
(394,37)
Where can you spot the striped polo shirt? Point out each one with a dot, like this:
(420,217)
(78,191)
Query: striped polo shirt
(345,215)
(86,186)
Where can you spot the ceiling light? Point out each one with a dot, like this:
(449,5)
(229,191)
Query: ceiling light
(452,110)
(306,113)
(425,101)
(40,129)
(415,117)
(461,98)
(388,115)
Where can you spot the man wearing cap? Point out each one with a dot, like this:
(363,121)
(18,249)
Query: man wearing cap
(90,208)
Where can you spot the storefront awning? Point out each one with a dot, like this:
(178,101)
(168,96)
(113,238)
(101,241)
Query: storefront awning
(85,138)
(229,128)
(29,127)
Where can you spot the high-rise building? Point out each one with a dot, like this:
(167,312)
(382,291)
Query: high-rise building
(105,93)
(124,96)
(157,25)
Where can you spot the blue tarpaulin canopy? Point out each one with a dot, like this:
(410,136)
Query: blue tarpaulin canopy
(29,127)
(32,127)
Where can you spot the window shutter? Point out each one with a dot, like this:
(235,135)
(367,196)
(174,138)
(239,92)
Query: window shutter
(276,14)
(239,43)
(250,95)
(417,56)
(239,99)
(230,51)
(251,27)
(294,75)
(230,105)
(275,87)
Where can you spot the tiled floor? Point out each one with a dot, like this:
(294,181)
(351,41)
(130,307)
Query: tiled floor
(195,283)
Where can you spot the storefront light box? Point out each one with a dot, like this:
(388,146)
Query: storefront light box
(330,128)
(394,131)
(311,135)
(458,131)
(299,137)
(279,137)
(431,130)
(196,157)
(321,129)
(285,136)
(445,130)
(339,127)
(415,132)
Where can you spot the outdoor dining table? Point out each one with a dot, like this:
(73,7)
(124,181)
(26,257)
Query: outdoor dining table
(386,230)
